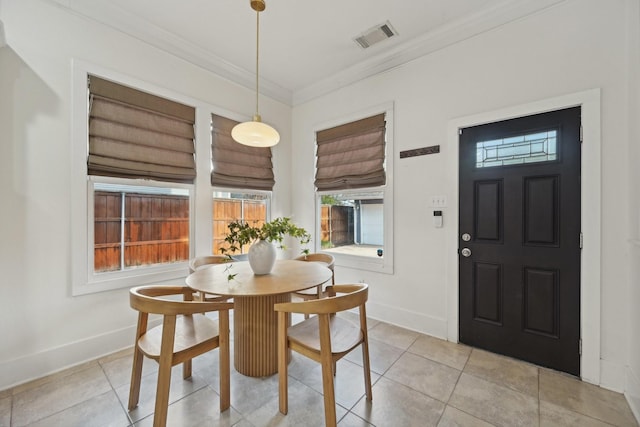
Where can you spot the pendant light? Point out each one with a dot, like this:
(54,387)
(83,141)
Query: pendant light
(255,133)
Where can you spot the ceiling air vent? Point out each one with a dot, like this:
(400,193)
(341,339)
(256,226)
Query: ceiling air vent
(375,35)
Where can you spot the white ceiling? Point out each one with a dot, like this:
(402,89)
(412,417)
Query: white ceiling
(307,48)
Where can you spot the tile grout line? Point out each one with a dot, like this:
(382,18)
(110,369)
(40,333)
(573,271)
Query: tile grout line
(113,390)
(454,389)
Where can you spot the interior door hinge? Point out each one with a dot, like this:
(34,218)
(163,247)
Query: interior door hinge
(580,133)
(459,131)
(581,240)
(580,347)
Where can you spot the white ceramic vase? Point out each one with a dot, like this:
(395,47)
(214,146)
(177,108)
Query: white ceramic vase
(262,257)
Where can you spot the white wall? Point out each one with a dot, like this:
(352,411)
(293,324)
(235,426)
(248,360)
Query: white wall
(43,328)
(632,389)
(575,46)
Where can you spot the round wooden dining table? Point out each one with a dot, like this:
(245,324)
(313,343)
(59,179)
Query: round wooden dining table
(255,323)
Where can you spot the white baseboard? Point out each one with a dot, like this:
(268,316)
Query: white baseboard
(632,392)
(418,322)
(24,369)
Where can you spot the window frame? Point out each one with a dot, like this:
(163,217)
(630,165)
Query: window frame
(138,275)
(526,160)
(384,264)
(83,280)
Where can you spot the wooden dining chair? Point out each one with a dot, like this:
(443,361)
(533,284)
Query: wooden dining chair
(183,335)
(200,261)
(325,338)
(309,294)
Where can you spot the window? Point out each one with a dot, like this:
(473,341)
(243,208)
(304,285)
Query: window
(136,226)
(354,195)
(352,223)
(136,151)
(247,175)
(231,206)
(530,148)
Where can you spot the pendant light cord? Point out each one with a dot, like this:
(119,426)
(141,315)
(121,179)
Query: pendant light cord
(257,56)
(254,133)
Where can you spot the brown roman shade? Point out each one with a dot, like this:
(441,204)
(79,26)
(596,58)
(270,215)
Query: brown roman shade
(133,134)
(236,165)
(351,155)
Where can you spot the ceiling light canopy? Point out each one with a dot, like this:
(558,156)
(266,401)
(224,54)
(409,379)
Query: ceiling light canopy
(255,133)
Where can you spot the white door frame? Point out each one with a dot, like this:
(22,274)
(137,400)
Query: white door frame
(590,216)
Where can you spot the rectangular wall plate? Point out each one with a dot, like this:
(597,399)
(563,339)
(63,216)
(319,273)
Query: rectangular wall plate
(420,151)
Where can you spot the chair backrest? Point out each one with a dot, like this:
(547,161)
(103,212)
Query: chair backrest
(146,299)
(318,257)
(341,298)
(207,259)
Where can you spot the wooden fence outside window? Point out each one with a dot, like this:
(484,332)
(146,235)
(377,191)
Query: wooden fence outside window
(226,211)
(336,226)
(156,227)
(156,230)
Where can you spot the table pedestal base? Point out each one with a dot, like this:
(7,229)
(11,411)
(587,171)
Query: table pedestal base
(255,337)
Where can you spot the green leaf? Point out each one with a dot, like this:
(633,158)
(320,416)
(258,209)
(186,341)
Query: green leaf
(242,233)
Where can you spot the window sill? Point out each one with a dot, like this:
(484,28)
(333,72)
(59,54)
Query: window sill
(126,279)
(376,265)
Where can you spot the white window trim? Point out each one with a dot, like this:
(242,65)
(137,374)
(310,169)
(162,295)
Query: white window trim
(140,275)
(83,281)
(379,265)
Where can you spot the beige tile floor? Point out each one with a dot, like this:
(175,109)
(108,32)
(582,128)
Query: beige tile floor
(418,381)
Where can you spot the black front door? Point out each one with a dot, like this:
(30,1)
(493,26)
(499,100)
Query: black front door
(519,255)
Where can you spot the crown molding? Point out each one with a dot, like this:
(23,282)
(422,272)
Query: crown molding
(112,16)
(488,19)
(455,32)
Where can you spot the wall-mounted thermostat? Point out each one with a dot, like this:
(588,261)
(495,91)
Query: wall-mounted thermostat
(437,219)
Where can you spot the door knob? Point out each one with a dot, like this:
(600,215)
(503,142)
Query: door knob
(466,252)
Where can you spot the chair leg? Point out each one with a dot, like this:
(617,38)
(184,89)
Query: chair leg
(283,386)
(186,369)
(225,363)
(164,371)
(136,377)
(138,358)
(327,363)
(367,370)
(365,353)
(307,298)
(162,395)
(328,392)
